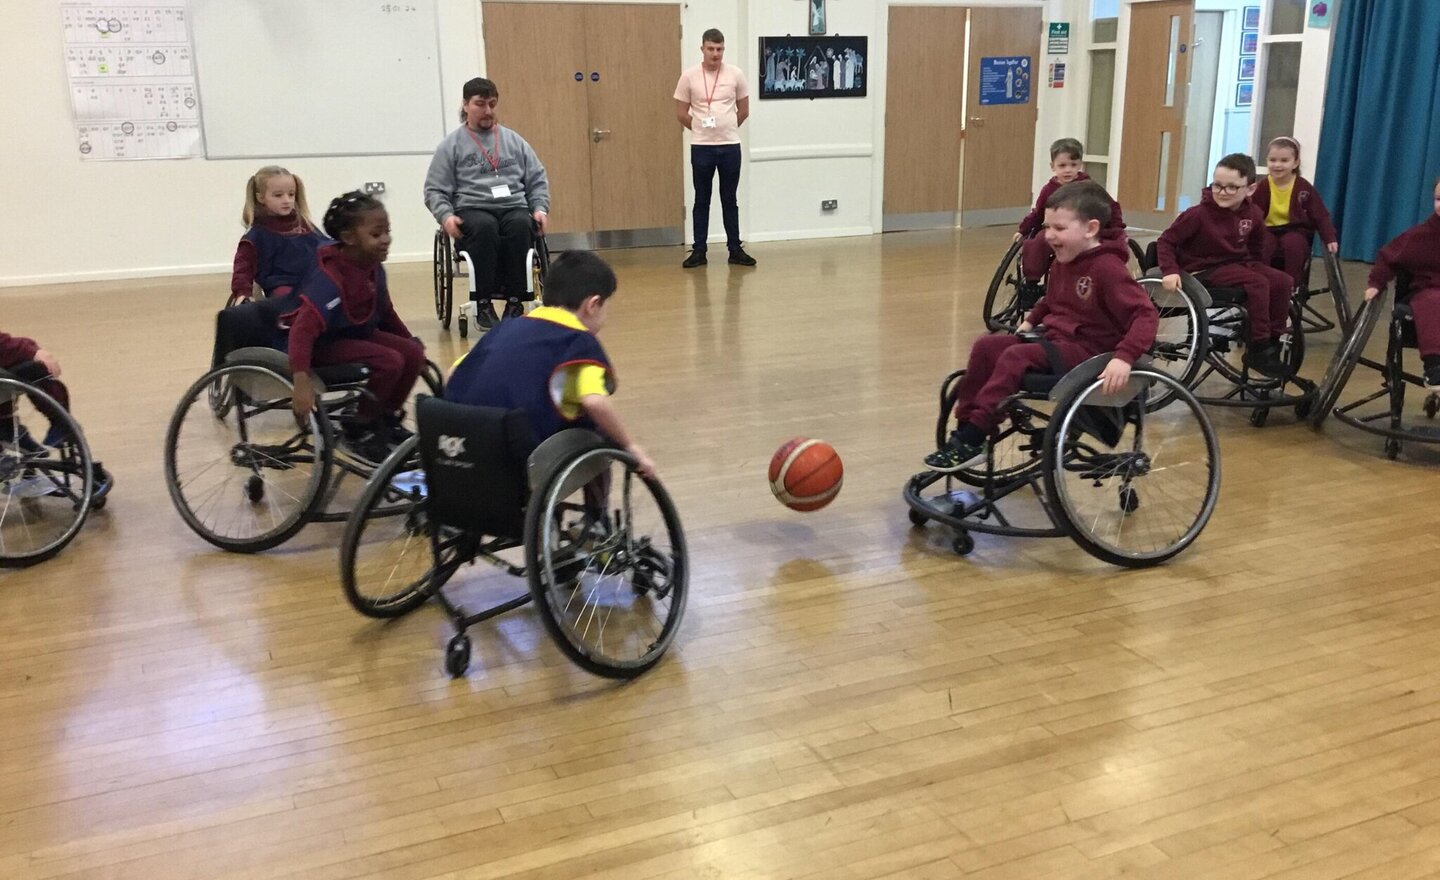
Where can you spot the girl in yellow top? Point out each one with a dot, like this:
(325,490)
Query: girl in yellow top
(1293,211)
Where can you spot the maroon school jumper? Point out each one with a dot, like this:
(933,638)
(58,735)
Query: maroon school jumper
(1091,306)
(1227,245)
(1287,246)
(246,264)
(394,357)
(1416,251)
(1035,253)
(17,355)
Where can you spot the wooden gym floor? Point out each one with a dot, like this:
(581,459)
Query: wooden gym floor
(847,698)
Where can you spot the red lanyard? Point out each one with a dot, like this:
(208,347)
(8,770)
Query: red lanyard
(495,159)
(710,93)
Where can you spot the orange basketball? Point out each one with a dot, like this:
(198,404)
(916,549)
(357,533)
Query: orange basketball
(806,474)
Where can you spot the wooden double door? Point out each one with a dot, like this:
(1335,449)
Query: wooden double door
(590,87)
(931,110)
(1152,141)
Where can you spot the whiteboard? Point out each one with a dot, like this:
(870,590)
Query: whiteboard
(318,77)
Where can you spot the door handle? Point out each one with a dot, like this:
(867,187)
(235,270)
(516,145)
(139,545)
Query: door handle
(599,134)
(978,120)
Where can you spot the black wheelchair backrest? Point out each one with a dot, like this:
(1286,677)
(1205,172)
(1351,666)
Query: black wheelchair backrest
(252,324)
(474,458)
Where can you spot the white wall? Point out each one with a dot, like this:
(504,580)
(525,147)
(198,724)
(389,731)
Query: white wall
(67,220)
(145,218)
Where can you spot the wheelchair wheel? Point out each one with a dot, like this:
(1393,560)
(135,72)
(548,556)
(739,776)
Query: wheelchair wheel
(539,262)
(250,479)
(1003,309)
(1144,499)
(45,493)
(1181,340)
(393,558)
(606,560)
(444,271)
(1342,365)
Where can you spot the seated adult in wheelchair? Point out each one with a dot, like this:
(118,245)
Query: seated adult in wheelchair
(1092,305)
(486,187)
(48,482)
(1221,242)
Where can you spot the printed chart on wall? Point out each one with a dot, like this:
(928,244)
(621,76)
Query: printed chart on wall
(132,80)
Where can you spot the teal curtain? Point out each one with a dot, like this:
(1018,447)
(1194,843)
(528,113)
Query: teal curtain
(1380,141)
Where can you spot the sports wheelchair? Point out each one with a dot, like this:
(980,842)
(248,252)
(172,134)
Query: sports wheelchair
(1201,329)
(604,552)
(1008,298)
(46,492)
(1390,421)
(1131,482)
(450,261)
(1314,320)
(240,471)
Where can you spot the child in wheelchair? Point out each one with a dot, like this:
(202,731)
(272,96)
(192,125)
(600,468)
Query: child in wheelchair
(1092,306)
(1035,254)
(1223,240)
(278,249)
(550,363)
(25,360)
(1294,212)
(343,314)
(1417,252)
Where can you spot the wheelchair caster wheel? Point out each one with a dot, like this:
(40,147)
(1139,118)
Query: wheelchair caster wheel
(255,489)
(1303,409)
(457,656)
(1129,500)
(1432,406)
(98,503)
(464,326)
(1392,449)
(917,518)
(1259,416)
(963,544)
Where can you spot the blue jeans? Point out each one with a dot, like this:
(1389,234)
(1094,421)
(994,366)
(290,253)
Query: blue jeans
(705,160)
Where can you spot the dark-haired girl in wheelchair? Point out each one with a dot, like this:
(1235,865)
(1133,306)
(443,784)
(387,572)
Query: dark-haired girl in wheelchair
(1105,436)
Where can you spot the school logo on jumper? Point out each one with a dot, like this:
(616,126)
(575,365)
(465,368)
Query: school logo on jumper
(451,447)
(1245,227)
(1082,287)
(1302,196)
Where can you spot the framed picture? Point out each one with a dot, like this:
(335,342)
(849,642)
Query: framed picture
(1250,18)
(817,18)
(1245,94)
(1247,69)
(1249,42)
(813,67)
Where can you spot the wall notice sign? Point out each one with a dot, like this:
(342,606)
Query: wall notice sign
(1058,42)
(1057,75)
(1005,79)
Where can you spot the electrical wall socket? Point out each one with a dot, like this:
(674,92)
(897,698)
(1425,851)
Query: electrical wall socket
(829,204)
(373,187)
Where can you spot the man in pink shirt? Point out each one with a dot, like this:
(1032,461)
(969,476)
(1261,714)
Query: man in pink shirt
(712,100)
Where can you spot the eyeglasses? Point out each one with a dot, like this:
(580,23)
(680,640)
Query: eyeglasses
(1228,189)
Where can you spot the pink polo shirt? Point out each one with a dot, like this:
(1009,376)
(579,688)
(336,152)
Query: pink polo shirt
(713,94)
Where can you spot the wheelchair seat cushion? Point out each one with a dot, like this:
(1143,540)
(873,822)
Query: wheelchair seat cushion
(1226,296)
(1038,383)
(474,459)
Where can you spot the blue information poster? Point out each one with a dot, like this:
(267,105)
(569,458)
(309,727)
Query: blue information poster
(1005,79)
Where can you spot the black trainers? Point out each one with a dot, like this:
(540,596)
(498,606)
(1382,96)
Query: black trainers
(101,480)
(955,456)
(739,258)
(1264,358)
(513,309)
(1432,378)
(395,430)
(696,258)
(485,317)
(24,442)
(368,445)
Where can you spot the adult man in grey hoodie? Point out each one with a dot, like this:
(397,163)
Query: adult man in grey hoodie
(485,187)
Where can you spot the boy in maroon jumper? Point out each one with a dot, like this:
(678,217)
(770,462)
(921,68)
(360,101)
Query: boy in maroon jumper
(1035,254)
(27,361)
(1224,238)
(1417,252)
(1092,306)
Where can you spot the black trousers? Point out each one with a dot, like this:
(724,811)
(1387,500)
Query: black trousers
(705,160)
(496,241)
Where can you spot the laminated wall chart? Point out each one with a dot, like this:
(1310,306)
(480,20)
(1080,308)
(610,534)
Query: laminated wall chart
(132,80)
